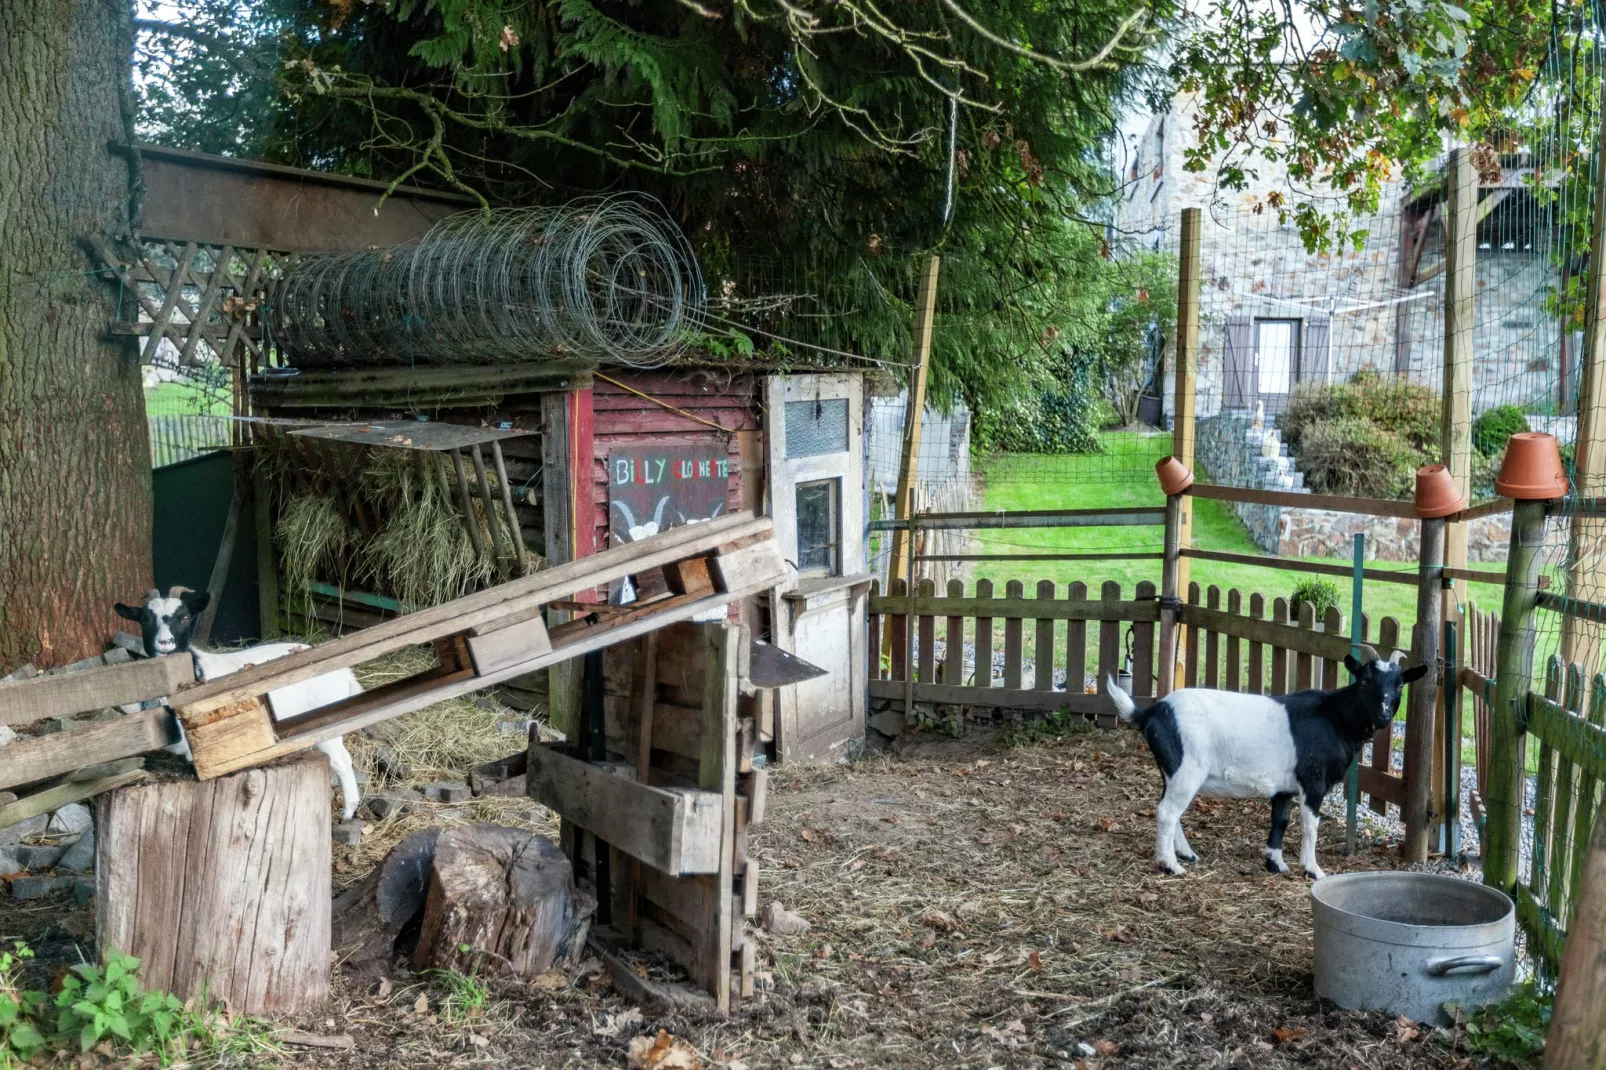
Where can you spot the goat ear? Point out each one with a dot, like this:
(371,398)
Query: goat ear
(127,612)
(195,601)
(1415,672)
(1352,665)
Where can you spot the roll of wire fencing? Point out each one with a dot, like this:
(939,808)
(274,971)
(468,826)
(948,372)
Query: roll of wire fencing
(609,278)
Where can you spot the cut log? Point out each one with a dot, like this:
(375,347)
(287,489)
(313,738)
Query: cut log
(222,887)
(506,894)
(369,916)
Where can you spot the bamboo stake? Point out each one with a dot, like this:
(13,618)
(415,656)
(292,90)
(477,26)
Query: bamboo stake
(1186,361)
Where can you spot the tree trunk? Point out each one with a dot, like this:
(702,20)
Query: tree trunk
(224,886)
(371,914)
(75,512)
(500,899)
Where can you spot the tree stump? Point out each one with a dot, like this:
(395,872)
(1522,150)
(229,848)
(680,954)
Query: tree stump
(222,886)
(505,894)
(369,916)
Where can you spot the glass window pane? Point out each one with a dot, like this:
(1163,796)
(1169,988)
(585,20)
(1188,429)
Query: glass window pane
(818,526)
(1274,355)
(816,427)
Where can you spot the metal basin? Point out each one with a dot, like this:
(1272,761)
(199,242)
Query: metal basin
(1406,943)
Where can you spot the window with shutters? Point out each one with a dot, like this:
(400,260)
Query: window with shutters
(1276,363)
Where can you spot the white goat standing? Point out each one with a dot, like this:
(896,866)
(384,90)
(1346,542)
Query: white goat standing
(166,625)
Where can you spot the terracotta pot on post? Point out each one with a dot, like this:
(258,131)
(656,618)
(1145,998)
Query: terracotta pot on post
(1175,477)
(1531,469)
(1436,493)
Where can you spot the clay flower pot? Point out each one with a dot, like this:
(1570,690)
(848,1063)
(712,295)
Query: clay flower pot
(1174,477)
(1531,469)
(1436,492)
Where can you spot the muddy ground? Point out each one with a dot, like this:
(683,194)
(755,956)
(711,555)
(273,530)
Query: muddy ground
(972,905)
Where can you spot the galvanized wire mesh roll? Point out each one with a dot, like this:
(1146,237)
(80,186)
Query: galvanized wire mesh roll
(609,279)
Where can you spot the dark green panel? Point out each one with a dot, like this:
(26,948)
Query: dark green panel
(192,507)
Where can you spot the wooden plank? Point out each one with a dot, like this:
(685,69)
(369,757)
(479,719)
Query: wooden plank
(223,740)
(1379,785)
(1460,217)
(1234,668)
(717,773)
(1076,642)
(1302,658)
(502,602)
(873,624)
(913,416)
(1257,650)
(897,628)
(1212,641)
(1015,594)
(28,761)
(984,633)
(953,663)
(1307,643)
(672,830)
(1277,635)
(1142,647)
(1043,655)
(1583,742)
(1028,518)
(55,798)
(67,693)
(927,637)
(1383,740)
(1337,503)
(1001,697)
(517,643)
(1332,668)
(1381,575)
(1561,851)
(1028,608)
(1589,790)
(1539,874)
(1109,636)
(1191,677)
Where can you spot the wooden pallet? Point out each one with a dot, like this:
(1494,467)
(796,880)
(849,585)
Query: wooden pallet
(481,640)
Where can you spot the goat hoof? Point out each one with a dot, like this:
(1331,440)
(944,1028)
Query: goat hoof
(1315,874)
(1188,858)
(1273,866)
(1173,869)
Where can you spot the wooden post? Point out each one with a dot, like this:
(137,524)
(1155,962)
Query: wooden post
(1455,446)
(1419,718)
(1170,572)
(909,462)
(1187,366)
(566,455)
(1580,639)
(222,887)
(1514,657)
(1577,1037)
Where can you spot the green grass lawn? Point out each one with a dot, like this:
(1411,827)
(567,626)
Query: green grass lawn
(178,398)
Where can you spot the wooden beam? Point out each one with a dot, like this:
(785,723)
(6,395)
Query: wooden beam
(914,411)
(64,694)
(1018,608)
(55,798)
(28,761)
(1189,272)
(1420,717)
(454,386)
(1025,518)
(1337,503)
(1002,697)
(1318,568)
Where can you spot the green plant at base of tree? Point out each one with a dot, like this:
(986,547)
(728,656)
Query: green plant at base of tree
(1321,594)
(1494,426)
(1511,1033)
(21,1037)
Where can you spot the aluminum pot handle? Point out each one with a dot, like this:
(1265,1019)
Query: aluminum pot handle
(1472,963)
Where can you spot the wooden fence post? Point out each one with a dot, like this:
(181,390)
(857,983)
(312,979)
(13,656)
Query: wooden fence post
(1577,1038)
(914,411)
(1513,678)
(1419,717)
(1170,580)
(1187,363)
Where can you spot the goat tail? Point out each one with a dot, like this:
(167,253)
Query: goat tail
(1125,708)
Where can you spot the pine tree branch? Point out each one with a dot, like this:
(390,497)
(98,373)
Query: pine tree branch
(222,47)
(1131,22)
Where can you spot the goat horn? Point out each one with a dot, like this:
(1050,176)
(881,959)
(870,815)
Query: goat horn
(1397,657)
(1370,651)
(176,590)
(153,593)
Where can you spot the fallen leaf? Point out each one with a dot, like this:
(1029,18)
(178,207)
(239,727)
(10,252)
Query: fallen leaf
(1106,1047)
(550,980)
(892,820)
(1148,897)
(825,951)
(421,1004)
(782,922)
(383,992)
(478,1041)
(1108,824)
(939,919)
(1035,960)
(614,1024)
(810,835)
(1048,853)
(1287,1033)
(1119,935)
(663,1052)
(1405,1030)
(927,940)
(1057,815)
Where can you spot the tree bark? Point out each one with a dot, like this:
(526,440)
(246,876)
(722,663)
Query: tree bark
(372,913)
(222,886)
(500,899)
(75,512)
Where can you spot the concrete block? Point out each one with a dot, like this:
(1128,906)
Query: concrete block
(25,888)
(80,857)
(347,833)
(35,858)
(449,791)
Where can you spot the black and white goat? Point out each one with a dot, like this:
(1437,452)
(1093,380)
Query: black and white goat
(165,627)
(1285,748)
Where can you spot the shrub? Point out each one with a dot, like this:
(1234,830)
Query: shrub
(1052,421)
(1407,410)
(1490,431)
(1355,457)
(1321,594)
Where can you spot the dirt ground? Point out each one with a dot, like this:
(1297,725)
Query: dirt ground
(972,905)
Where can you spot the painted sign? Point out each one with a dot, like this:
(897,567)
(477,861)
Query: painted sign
(652,490)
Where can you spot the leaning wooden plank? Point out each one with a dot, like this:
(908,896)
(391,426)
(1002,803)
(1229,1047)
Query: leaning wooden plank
(22,701)
(1285,636)
(404,696)
(673,831)
(55,798)
(31,760)
(1003,697)
(503,602)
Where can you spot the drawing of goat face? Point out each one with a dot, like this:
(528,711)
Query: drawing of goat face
(651,527)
